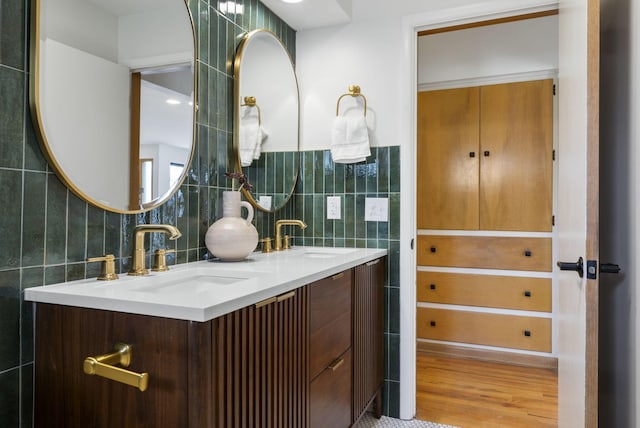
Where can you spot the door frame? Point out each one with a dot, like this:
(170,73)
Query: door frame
(411,25)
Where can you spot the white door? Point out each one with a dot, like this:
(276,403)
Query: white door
(577,215)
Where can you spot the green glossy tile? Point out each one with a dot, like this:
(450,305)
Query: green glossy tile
(212,164)
(318,176)
(350,178)
(76,271)
(318,216)
(26,403)
(192,233)
(393,357)
(95,231)
(361,177)
(33,220)
(329,173)
(77,229)
(213,97)
(33,158)
(383,169)
(394,168)
(202,18)
(329,226)
(339,177)
(223,162)
(349,216)
(308,216)
(279,172)
(12,34)
(31,277)
(10,318)
(393,310)
(12,93)
(372,175)
(204,214)
(221,24)
(55,274)
(10,219)
(307,172)
(339,225)
(233,39)
(112,233)
(393,254)
(10,398)
(220,105)
(371,230)
(394,216)
(361,225)
(202,155)
(383,231)
(202,116)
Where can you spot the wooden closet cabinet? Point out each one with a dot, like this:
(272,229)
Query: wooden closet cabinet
(487,155)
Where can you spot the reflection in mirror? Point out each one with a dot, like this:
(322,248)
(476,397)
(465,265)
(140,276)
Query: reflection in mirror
(113,97)
(266,119)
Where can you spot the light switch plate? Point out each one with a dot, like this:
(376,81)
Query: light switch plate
(333,208)
(376,209)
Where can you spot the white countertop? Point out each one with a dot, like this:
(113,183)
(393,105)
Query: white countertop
(201,291)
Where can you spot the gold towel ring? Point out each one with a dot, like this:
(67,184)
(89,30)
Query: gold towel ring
(354,91)
(251,102)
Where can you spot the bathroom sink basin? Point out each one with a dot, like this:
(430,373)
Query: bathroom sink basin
(325,252)
(192,281)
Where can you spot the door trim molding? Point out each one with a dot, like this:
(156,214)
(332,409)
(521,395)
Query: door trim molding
(411,25)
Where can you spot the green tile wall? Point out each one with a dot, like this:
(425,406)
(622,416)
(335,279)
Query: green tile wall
(378,177)
(47,232)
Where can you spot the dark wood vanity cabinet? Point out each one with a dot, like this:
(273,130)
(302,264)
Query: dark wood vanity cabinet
(308,358)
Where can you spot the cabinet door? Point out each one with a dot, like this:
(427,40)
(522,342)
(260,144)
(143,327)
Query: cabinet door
(516,167)
(66,397)
(447,158)
(259,365)
(368,336)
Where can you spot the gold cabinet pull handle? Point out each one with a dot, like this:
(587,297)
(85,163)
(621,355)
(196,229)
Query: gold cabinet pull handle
(337,363)
(286,296)
(103,365)
(337,276)
(374,262)
(266,302)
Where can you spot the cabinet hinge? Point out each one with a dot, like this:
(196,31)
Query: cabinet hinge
(553,220)
(553,155)
(554,89)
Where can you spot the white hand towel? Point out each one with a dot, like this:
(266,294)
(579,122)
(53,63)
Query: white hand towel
(350,139)
(260,137)
(249,134)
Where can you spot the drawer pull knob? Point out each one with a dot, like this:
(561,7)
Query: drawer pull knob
(337,363)
(527,293)
(527,333)
(487,153)
(433,249)
(432,286)
(472,154)
(527,253)
(432,323)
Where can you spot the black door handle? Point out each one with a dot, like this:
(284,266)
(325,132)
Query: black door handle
(609,268)
(577,266)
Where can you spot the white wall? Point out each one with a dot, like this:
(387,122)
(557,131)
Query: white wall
(507,49)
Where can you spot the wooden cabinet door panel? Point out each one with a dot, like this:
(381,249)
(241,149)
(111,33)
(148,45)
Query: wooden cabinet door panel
(508,292)
(330,395)
(67,397)
(516,166)
(447,158)
(507,331)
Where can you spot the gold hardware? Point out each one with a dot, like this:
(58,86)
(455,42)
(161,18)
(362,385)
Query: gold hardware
(138,265)
(337,276)
(251,102)
(266,302)
(375,262)
(161,260)
(108,272)
(354,91)
(283,297)
(103,365)
(337,363)
(266,245)
(283,222)
(285,243)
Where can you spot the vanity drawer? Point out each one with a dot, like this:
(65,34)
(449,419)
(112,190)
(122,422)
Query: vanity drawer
(494,291)
(330,395)
(485,252)
(329,320)
(506,331)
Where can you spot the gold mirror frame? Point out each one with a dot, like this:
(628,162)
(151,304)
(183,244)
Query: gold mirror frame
(241,100)
(37,119)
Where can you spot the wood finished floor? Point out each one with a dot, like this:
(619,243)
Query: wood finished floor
(472,394)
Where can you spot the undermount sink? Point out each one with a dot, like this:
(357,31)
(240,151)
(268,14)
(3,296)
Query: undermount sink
(192,281)
(325,252)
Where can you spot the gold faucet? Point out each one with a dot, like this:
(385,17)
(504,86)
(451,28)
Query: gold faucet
(281,223)
(138,268)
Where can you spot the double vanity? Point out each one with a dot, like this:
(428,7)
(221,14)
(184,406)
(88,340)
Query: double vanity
(284,339)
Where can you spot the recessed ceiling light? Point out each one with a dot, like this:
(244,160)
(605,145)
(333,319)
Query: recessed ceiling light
(172,101)
(292,1)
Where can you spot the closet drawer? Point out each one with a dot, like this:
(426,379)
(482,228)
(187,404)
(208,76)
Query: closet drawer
(506,331)
(485,252)
(492,291)
(329,320)
(330,395)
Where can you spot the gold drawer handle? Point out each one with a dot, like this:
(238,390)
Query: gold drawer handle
(337,276)
(103,365)
(266,302)
(375,262)
(337,363)
(286,296)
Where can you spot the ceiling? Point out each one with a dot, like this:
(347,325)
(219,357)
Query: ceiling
(311,13)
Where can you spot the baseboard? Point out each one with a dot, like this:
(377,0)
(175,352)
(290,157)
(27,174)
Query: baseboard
(442,349)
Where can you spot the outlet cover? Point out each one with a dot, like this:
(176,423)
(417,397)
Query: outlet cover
(265,202)
(376,209)
(333,208)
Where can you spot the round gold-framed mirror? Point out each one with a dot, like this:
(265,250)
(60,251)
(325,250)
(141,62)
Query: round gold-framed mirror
(112,95)
(267,120)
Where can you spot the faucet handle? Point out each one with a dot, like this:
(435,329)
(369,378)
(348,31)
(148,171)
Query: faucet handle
(266,245)
(108,272)
(161,260)
(285,242)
